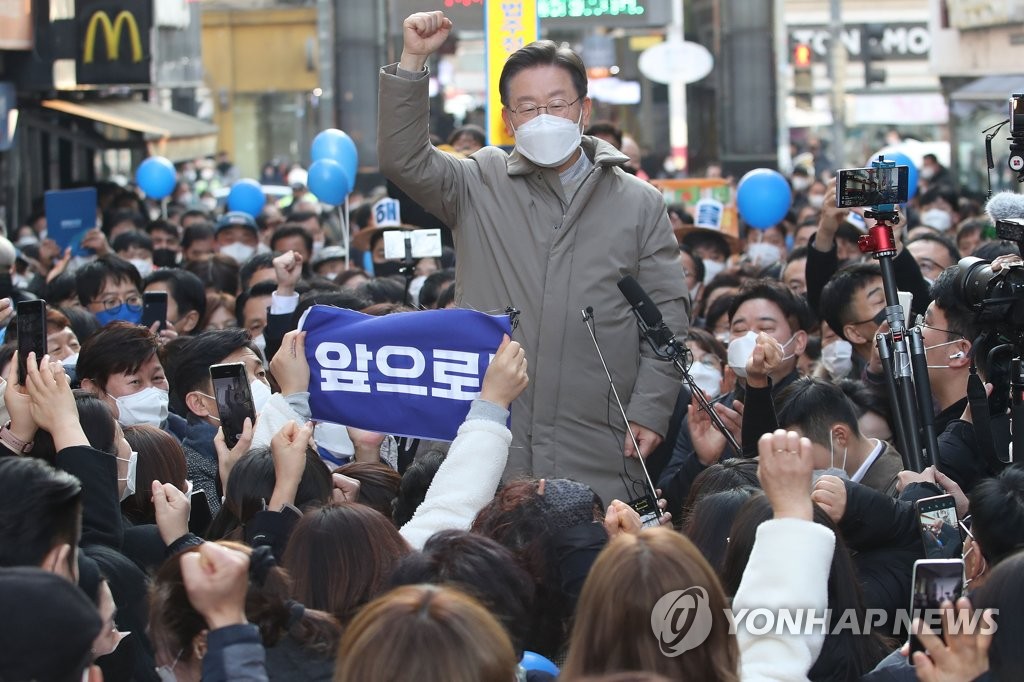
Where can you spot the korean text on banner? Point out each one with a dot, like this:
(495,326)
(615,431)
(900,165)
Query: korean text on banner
(509,25)
(406,374)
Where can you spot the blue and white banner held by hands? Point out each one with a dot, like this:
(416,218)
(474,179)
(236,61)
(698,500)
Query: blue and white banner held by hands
(406,374)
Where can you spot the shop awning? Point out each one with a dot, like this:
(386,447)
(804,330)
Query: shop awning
(990,88)
(177,136)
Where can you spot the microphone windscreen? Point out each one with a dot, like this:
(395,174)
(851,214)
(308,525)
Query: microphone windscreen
(640,301)
(1005,206)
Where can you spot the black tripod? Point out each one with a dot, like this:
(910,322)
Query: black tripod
(902,353)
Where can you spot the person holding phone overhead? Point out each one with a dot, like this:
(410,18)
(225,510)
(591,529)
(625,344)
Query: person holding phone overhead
(548,229)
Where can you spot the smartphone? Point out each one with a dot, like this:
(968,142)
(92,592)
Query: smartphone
(940,530)
(935,581)
(199,517)
(31,334)
(234,399)
(154,309)
(647,508)
(872,186)
(422,244)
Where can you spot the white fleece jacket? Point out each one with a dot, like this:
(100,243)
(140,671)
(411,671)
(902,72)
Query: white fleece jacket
(788,569)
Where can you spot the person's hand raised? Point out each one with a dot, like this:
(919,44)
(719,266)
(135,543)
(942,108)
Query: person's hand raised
(289,366)
(785,467)
(766,358)
(506,376)
(216,580)
(423,33)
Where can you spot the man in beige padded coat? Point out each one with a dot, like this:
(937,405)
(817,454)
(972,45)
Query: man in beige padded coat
(549,230)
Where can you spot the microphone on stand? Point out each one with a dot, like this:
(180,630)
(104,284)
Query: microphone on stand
(667,347)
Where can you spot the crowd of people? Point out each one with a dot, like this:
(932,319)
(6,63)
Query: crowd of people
(137,543)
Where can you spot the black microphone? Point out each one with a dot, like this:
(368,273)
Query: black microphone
(646,310)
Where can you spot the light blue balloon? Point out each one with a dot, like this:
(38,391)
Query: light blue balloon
(246,196)
(533,661)
(763,197)
(902,159)
(336,145)
(328,180)
(156,177)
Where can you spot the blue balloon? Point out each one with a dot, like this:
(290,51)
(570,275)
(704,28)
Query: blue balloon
(329,182)
(246,196)
(532,661)
(763,197)
(902,159)
(336,145)
(156,177)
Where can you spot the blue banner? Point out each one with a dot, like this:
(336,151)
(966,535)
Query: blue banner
(406,374)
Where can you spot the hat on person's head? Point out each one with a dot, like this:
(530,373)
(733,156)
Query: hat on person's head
(708,219)
(329,254)
(236,219)
(570,503)
(387,216)
(48,626)
(297,178)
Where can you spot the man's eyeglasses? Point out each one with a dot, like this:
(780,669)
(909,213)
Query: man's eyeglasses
(556,107)
(919,321)
(133,301)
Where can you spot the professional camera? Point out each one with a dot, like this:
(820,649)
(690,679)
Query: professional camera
(997,298)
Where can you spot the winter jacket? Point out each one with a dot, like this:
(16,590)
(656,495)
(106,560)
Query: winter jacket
(521,242)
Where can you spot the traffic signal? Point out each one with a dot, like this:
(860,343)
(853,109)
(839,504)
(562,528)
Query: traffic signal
(871,51)
(803,78)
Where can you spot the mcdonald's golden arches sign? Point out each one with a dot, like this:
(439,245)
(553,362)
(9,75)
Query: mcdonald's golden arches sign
(114,41)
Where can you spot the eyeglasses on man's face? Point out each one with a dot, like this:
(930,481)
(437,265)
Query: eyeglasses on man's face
(556,107)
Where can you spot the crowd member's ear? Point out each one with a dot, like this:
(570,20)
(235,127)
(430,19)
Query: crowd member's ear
(842,435)
(199,647)
(198,404)
(187,324)
(853,335)
(799,343)
(960,354)
(58,561)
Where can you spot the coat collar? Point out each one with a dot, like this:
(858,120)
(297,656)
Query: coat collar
(599,151)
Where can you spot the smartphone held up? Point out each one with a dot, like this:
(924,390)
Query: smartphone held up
(234,399)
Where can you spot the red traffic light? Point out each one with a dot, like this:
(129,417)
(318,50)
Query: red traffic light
(802,56)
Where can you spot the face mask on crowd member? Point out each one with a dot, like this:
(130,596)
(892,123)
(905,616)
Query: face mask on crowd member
(837,359)
(192,379)
(237,236)
(712,268)
(767,306)
(109,287)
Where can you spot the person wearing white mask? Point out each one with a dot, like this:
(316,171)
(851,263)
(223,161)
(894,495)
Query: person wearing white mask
(763,309)
(137,249)
(119,364)
(193,397)
(237,236)
(555,225)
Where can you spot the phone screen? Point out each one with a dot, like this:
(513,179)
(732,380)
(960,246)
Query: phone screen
(647,508)
(154,309)
(234,399)
(31,333)
(871,186)
(935,581)
(940,531)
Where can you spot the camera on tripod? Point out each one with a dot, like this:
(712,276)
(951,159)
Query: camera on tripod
(997,298)
(1016,161)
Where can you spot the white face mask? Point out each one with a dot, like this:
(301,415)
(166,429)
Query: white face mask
(837,358)
(711,268)
(209,204)
(145,267)
(742,348)
(129,479)
(238,251)
(800,183)
(70,361)
(763,253)
(707,378)
(695,292)
(548,140)
(261,343)
(927,173)
(937,218)
(260,394)
(816,200)
(148,406)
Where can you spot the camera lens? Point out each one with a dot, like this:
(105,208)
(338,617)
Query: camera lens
(974,279)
